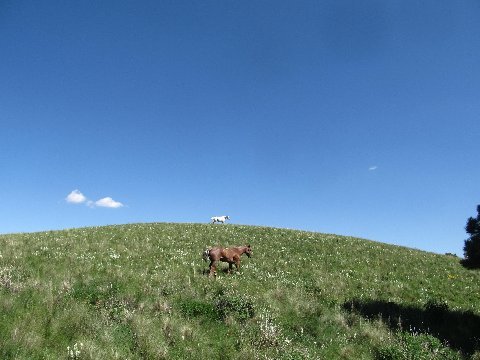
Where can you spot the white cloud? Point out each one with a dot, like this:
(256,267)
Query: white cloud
(75,197)
(108,202)
(372,168)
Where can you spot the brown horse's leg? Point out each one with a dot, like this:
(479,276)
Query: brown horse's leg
(237,263)
(230,267)
(213,269)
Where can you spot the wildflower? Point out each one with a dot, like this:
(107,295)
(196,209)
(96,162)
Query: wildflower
(74,351)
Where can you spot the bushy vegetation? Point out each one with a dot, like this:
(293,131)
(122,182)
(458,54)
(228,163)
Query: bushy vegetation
(472,244)
(140,292)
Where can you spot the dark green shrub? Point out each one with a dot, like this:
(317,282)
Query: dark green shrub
(237,306)
(195,308)
(472,244)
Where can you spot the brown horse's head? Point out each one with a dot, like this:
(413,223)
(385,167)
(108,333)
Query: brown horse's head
(248,250)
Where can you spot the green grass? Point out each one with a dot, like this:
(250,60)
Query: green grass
(140,292)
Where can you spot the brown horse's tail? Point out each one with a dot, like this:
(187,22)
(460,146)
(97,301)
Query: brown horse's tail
(206,254)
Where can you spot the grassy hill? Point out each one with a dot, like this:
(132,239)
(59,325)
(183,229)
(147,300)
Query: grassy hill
(139,292)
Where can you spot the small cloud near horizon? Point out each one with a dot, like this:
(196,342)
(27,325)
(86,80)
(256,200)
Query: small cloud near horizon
(373,168)
(76,197)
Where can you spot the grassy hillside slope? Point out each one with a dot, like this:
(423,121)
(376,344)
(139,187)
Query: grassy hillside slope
(139,292)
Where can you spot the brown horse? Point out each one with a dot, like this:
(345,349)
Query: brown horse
(230,255)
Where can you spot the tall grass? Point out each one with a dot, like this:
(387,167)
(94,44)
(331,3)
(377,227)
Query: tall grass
(140,291)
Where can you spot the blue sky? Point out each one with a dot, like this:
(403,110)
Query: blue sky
(346,117)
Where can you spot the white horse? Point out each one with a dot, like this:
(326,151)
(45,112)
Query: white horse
(220,219)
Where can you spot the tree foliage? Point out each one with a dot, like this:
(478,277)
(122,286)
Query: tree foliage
(472,244)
